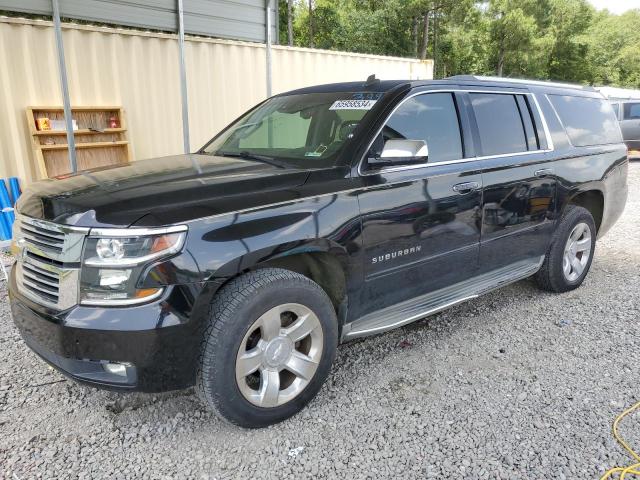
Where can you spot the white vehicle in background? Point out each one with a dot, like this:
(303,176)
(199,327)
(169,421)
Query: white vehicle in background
(626,104)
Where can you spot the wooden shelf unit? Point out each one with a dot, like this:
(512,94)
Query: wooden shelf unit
(96,144)
(64,146)
(84,131)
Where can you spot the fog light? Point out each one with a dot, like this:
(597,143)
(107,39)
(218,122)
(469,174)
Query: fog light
(116,368)
(114,278)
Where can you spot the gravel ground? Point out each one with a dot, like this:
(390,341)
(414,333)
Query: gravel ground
(518,384)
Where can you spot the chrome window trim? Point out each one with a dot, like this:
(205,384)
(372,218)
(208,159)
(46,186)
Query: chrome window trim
(545,127)
(450,162)
(543,119)
(524,81)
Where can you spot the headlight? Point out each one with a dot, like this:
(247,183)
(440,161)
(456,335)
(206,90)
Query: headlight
(114,259)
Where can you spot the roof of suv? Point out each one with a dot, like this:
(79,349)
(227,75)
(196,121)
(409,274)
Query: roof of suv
(375,85)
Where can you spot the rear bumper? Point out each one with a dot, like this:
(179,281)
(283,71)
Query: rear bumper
(157,342)
(615,196)
(633,147)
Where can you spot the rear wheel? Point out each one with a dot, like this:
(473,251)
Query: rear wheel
(268,348)
(571,252)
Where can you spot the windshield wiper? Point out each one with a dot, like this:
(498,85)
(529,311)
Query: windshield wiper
(252,156)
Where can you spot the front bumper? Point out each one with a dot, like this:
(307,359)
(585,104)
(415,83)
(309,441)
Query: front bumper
(157,342)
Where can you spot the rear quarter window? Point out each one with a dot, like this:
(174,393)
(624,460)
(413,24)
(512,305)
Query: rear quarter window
(587,121)
(631,111)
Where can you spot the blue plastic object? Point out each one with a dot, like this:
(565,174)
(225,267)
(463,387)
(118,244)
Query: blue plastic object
(14,190)
(5,224)
(5,201)
(7,215)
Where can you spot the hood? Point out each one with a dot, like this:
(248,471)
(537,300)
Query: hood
(160,191)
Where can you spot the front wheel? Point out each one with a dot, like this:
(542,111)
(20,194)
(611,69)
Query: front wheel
(571,252)
(268,348)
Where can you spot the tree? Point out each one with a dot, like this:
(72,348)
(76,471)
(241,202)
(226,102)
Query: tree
(547,39)
(613,48)
(512,32)
(290,22)
(311,32)
(569,21)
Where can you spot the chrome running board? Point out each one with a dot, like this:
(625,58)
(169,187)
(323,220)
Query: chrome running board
(416,308)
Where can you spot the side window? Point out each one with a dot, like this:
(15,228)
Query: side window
(587,120)
(431,117)
(499,122)
(631,111)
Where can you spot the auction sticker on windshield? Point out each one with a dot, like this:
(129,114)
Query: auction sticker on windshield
(352,105)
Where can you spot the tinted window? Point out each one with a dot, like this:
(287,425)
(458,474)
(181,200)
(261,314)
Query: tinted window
(499,122)
(281,130)
(431,117)
(587,121)
(631,110)
(306,129)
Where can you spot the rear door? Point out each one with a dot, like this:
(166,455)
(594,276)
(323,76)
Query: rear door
(421,222)
(519,181)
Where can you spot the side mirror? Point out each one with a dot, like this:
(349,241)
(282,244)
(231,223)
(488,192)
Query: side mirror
(402,152)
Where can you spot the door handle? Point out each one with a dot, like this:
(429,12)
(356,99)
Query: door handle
(466,187)
(543,172)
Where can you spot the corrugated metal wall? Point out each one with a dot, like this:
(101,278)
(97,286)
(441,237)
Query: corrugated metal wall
(235,19)
(139,71)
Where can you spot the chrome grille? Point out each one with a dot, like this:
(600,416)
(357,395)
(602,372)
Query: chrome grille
(44,283)
(48,264)
(42,238)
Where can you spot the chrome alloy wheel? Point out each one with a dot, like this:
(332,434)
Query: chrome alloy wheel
(577,252)
(279,355)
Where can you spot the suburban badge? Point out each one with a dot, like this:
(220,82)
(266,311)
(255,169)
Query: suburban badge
(399,253)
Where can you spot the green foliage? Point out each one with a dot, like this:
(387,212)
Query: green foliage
(613,49)
(564,40)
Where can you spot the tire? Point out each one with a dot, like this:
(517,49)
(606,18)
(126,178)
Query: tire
(553,275)
(247,323)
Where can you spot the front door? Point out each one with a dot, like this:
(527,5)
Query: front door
(421,222)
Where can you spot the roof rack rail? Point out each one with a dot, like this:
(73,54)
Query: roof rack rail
(482,78)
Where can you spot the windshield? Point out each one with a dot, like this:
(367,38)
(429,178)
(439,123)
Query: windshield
(307,129)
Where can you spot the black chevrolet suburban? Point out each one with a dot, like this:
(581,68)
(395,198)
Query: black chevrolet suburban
(321,215)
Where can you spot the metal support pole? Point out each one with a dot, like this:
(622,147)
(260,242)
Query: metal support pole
(268,38)
(62,67)
(183,81)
